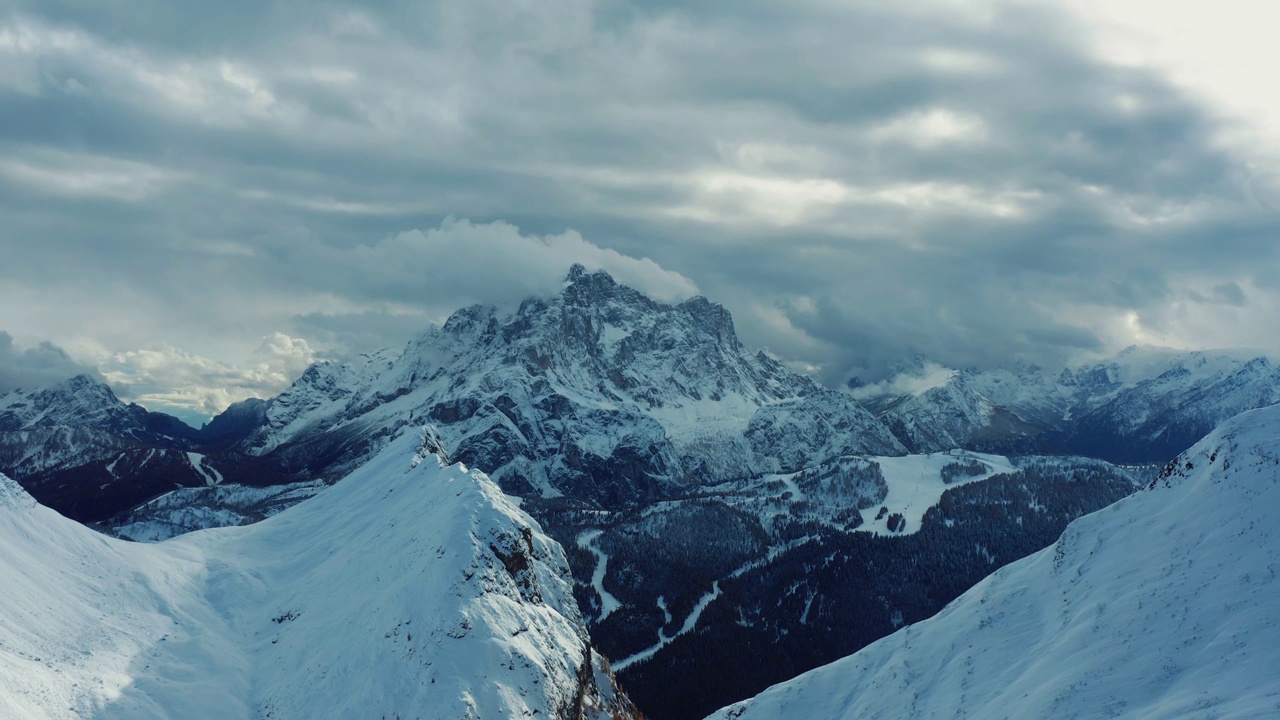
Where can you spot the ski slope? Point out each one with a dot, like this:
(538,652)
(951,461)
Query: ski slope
(915,485)
(1163,605)
(408,589)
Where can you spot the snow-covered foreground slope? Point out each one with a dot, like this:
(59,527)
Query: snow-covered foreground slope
(407,590)
(1163,605)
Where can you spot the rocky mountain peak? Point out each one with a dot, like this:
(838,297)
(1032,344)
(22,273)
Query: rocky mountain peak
(598,392)
(80,401)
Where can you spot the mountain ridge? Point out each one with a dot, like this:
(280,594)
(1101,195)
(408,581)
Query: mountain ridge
(598,393)
(1143,405)
(439,599)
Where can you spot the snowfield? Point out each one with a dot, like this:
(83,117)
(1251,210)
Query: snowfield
(915,485)
(408,589)
(1163,605)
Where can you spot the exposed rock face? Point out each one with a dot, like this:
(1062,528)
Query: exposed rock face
(599,394)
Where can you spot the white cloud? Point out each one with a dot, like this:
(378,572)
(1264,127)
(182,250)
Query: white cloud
(732,198)
(1224,52)
(28,368)
(461,261)
(169,379)
(931,127)
(84,175)
(928,376)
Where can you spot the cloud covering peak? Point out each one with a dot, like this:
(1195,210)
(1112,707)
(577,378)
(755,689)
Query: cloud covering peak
(860,184)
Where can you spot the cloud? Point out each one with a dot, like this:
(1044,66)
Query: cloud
(919,380)
(37,366)
(860,183)
(493,262)
(406,281)
(168,379)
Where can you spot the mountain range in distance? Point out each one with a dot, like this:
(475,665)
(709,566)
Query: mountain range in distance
(710,501)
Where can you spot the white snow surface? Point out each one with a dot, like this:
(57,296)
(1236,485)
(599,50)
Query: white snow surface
(211,476)
(393,593)
(1160,606)
(915,485)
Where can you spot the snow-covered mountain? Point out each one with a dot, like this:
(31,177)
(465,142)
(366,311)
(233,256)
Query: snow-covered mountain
(1162,605)
(76,420)
(410,589)
(1143,405)
(79,449)
(597,393)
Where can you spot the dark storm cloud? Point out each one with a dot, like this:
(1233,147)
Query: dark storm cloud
(859,183)
(34,367)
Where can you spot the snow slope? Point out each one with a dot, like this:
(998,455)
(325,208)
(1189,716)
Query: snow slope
(410,589)
(915,484)
(1160,606)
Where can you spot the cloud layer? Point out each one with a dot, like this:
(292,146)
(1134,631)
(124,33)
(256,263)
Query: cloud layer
(860,183)
(37,366)
(194,387)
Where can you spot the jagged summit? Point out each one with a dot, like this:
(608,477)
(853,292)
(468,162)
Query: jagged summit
(597,392)
(78,401)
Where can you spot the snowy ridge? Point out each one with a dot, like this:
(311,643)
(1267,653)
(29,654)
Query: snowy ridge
(1161,605)
(407,589)
(1143,405)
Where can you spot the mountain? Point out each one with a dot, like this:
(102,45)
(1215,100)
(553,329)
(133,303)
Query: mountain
(235,423)
(711,502)
(708,497)
(1144,405)
(79,449)
(410,589)
(73,420)
(1162,605)
(598,394)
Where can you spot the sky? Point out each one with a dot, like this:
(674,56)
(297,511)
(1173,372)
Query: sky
(197,200)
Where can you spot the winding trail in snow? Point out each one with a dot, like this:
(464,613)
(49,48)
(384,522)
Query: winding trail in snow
(690,623)
(211,477)
(608,603)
